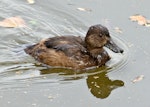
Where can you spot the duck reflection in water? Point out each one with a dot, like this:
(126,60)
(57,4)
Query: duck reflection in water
(99,84)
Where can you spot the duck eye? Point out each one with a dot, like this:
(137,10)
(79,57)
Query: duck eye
(100,35)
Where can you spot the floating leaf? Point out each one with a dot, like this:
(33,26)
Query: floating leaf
(140,19)
(31,1)
(83,9)
(118,30)
(138,78)
(50,97)
(13,22)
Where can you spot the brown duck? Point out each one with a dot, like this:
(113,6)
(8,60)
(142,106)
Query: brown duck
(75,52)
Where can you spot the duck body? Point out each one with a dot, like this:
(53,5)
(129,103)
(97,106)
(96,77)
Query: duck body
(72,51)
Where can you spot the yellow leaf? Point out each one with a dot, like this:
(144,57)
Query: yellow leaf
(31,1)
(118,30)
(140,19)
(138,78)
(13,22)
(83,9)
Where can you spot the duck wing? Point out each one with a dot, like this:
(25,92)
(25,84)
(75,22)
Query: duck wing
(70,45)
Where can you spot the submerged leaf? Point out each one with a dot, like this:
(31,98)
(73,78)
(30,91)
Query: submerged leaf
(12,22)
(140,19)
(138,78)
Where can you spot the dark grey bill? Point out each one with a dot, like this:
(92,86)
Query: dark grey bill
(114,47)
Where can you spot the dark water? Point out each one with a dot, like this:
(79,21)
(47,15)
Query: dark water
(24,82)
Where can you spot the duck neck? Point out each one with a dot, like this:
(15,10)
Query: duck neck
(94,52)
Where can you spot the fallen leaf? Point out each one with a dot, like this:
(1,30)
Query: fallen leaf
(50,97)
(84,9)
(31,1)
(140,19)
(138,78)
(118,30)
(13,22)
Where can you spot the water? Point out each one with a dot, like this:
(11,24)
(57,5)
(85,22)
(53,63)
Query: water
(24,82)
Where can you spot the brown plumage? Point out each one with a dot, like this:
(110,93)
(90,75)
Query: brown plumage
(73,51)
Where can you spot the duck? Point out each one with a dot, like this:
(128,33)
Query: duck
(75,52)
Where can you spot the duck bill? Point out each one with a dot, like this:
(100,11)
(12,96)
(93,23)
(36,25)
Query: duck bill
(113,46)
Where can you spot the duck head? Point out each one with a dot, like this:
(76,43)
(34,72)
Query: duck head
(98,36)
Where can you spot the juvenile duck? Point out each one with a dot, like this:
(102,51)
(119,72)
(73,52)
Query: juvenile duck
(75,52)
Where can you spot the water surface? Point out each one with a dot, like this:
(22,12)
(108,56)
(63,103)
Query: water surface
(24,82)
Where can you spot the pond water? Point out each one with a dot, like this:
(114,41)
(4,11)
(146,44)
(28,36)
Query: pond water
(23,81)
